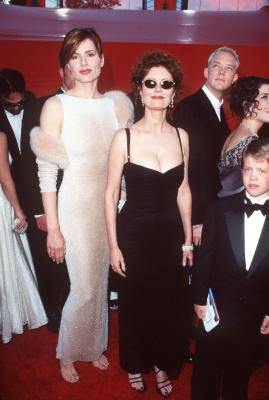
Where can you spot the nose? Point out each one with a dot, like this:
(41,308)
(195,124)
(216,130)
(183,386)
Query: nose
(158,87)
(221,71)
(253,175)
(83,61)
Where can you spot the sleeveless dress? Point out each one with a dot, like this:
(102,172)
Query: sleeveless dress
(87,131)
(20,302)
(152,296)
(230,168)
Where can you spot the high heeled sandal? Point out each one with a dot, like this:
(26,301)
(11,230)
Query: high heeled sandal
(137,378)
(162,385)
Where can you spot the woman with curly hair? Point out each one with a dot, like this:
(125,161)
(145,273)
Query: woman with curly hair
(249,99)
(148,236)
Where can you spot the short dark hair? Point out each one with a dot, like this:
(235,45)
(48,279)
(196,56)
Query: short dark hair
(73,39)
(243,95)
(11,80)
(258,149)
(157,58)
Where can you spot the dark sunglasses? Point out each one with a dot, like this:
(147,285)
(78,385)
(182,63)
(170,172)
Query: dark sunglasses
(165,84)
(9,105)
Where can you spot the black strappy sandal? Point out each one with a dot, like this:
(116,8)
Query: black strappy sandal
(160,386)
(137,379)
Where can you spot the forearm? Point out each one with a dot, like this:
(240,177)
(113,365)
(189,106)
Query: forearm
(111,200)
(184,205)
(49,200)
(11,194)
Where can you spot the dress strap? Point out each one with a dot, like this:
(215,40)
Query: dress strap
(178,135)
(128,137)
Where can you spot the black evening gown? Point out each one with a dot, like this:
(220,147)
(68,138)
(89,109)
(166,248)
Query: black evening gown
(152,312)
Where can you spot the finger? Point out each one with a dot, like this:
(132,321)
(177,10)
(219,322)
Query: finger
(190,260)
(122,266)
(119,271)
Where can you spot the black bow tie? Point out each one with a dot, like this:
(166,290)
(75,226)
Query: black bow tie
(251,207)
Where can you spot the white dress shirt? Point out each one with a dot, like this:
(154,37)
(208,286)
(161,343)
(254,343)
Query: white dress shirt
(213,100)
(16,124)
(253,227)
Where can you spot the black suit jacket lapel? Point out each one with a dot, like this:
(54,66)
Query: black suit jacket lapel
(235,226)
(208,108)
(262,248)
(12,142)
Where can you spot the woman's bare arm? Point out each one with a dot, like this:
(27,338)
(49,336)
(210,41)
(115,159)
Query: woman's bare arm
(115,166)
(6,180)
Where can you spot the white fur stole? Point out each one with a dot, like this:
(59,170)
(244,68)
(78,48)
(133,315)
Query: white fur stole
(48,148)
(123,107)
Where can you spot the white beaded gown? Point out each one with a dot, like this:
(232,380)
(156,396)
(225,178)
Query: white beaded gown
(88,128)
(20,302)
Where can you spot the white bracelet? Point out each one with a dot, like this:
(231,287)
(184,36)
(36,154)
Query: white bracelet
(187,247)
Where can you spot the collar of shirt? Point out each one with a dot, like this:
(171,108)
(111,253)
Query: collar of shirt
(14,117)
(213,100)
(254,200)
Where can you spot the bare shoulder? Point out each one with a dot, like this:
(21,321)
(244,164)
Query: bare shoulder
(52,116)
(52,103)
(119,138)
(184,137)
(183,134)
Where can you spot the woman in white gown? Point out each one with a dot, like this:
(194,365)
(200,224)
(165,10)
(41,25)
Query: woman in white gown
(76,129)
(20,303)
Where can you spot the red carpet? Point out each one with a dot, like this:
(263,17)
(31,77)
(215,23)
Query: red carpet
(29,371)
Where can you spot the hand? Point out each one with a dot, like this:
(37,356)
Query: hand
(187,258)
(200,311)
(265,326)
(117,262)
(56,246)
(20,220)
(197,234)
(41,223)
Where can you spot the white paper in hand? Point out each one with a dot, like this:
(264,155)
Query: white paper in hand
(212,315)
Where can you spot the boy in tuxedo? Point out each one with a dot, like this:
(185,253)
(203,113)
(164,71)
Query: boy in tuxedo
(234,262)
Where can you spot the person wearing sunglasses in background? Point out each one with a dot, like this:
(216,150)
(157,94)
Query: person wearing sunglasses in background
(147,237)
(19,113)
(19,298)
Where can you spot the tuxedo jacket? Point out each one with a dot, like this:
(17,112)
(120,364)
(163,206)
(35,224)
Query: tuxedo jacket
(242,296)
(207,134)
(23,167)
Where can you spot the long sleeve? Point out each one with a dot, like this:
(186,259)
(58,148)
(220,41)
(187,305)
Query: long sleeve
(47,174)
(205,260)
(51,156)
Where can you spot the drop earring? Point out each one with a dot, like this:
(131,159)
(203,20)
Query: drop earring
(171,105)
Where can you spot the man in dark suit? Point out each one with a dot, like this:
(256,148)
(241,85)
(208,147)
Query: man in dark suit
(18,115)
(234,262)
(202,116)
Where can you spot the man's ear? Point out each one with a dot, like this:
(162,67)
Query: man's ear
(61,72)
(206,72)
(235,77)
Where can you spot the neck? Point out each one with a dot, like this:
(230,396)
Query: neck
(251,125)
(85,90)
(218,94)
(154,120)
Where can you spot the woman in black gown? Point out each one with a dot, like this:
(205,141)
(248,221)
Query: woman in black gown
(146,237)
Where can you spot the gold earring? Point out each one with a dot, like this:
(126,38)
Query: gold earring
(142,102)
(171,105)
